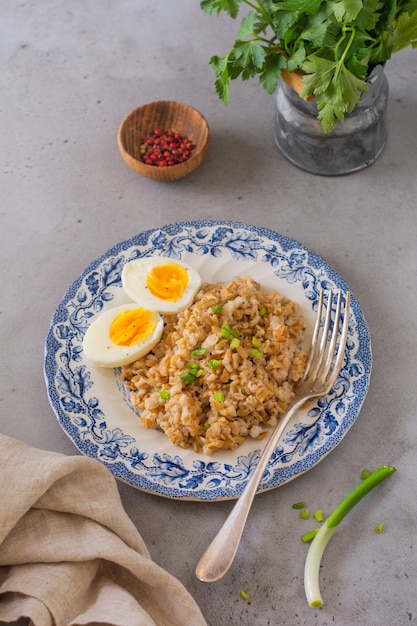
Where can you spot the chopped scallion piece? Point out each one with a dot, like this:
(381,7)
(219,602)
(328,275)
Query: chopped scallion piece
(244,595)
(206,425)
(298,505)
(229,333)
(214,364)
(263,312)
(192,372)
(305,514)
(226,331)
(257,354)
(320,541)
(256,342)
(199,352)
(218,309)
(310,535)
(365,474)
(164,394)
(187,377)
(318,515)
(219,396)
(235,343)
(379,528)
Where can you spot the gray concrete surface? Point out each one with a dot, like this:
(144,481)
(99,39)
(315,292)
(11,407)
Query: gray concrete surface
(70,73)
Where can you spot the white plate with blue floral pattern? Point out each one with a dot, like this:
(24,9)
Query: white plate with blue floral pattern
(91,407)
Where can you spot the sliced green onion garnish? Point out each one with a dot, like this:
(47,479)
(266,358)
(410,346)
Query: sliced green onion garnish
(193,371)
(320,541)
(229,333)
(310,535)
(256,342)
(218,309)
(365,474)
(206,425)
(263,312)
(187,377)
(219,396)
(199,352)
(164,394)
(235,343)
(318,515)
(298,505)
(305,514)
(244,595)
(379,528)
(214,364)
(226,331)
(257,354)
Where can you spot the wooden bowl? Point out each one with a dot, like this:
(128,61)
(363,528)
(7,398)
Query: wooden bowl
(165,115)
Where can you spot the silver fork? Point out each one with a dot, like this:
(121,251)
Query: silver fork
(323,364)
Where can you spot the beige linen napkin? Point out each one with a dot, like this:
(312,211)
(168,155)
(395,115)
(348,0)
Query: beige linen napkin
(69,554)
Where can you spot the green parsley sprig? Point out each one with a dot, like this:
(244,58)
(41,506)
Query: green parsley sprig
(334,43)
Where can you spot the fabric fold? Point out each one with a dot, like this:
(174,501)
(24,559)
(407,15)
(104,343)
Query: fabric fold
(69,554)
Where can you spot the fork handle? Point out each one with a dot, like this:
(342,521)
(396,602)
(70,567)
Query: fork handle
(219,556)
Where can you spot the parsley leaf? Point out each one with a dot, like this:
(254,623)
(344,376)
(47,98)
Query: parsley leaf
(215,7)
(347,10)
(307,6)
(221,71)
(350,88)
(296,60)
(249,54)
(405,31)
(337,88)
(329,107)
(319,74)
(271,72)
(246,26)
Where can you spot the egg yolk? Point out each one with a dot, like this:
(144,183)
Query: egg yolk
(167,281)
(132,327)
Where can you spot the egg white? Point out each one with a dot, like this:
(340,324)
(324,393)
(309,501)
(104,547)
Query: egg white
(101,351)
(134,276)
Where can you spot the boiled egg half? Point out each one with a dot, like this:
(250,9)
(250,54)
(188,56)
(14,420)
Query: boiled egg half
(160,283)
(121,335)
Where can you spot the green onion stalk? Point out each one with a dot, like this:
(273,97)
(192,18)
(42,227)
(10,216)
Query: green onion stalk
(325,533)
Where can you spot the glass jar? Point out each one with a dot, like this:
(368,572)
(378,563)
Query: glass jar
(350,146)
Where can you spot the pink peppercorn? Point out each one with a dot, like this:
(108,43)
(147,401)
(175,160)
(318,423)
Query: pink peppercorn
(165,148)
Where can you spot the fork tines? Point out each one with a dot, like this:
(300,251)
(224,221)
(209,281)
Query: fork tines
(330,332)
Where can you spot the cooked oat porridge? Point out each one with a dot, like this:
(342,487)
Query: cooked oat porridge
(224,369)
